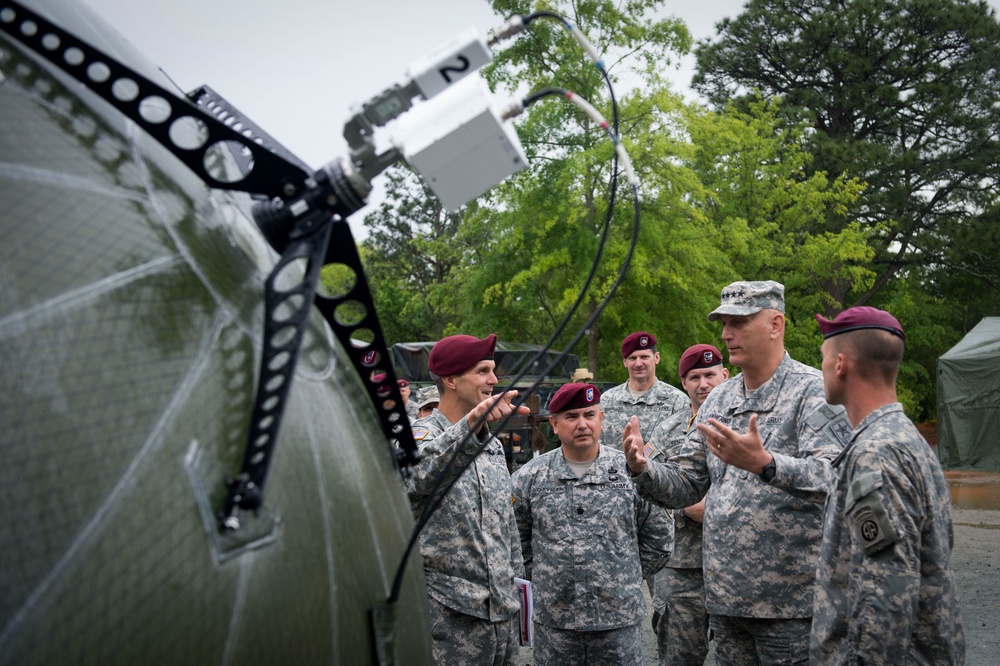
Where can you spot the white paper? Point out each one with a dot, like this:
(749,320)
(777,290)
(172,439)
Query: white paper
(527,609)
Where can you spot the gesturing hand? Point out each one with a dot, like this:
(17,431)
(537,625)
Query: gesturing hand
(634,447)
(495,409)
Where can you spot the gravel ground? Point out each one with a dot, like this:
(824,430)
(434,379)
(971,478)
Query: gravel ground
(976,560)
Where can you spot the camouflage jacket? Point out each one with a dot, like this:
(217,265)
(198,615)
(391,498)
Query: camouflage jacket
(470,547)
(665,441)
(651,407)
(588,542)
(885,589)
(760,543)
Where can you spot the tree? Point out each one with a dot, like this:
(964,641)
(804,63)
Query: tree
(411,256)
(904,96)
(725,195)
(552,217)
(762,198)
(901,94)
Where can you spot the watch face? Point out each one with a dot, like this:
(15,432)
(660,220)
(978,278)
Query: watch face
(768,473)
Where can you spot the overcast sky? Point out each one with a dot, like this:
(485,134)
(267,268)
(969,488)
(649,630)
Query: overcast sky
(296,67)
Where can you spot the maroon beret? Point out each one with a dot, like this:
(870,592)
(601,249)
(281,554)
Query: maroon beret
(402,382)
(574,396)
(698,356)
(458,353)
(637,340)
(857,318)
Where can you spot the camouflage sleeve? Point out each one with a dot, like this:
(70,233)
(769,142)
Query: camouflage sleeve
(680,401)
(676,483)
(436,458)
(884,519)
(522,516)
(655,531)
(659,438)
(822,432)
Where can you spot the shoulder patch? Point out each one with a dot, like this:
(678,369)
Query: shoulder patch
(842,430)
(420,433)
(869,520)
(834,421)
(649,451)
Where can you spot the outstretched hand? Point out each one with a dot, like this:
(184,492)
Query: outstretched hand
(745,451)
(634,447)
(495,409)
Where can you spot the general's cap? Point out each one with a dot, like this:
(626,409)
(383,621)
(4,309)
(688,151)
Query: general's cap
(637,340)
(698,356)
(456,354)
(574,396)
(746,298)
(857,318)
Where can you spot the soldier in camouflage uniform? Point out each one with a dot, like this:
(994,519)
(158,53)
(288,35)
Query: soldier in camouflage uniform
(588,540)
(680,620)
(885,591)
(427,400)
(761,451)
(410,405)
(470,546)
(643,395)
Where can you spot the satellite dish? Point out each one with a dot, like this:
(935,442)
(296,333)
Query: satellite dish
(130,332)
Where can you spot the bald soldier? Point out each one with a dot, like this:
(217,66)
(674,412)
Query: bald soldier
(761,450)
(588,540)
(470,546)
(679,616)
(643,395)
(885,592)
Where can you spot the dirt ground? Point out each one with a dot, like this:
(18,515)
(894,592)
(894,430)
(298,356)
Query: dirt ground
(975,559)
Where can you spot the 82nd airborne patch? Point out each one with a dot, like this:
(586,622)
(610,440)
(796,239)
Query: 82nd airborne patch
(872,525)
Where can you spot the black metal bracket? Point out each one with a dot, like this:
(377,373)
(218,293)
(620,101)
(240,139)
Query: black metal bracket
(212,102)
(288,292)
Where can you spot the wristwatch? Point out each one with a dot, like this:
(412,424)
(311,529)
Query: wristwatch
(770,469)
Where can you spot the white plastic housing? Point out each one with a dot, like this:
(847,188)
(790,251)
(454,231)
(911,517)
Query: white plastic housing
(458,143)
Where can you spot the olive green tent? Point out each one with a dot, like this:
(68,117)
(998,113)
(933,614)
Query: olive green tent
(968,389)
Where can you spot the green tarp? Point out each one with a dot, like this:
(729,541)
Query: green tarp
(968,389)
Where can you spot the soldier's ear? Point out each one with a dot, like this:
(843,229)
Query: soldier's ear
(777,324)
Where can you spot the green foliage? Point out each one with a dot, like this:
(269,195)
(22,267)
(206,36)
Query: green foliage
(725,196)
(412,257)
(551,218)
(903,95)
(763,200)
(900,94)
(760,188)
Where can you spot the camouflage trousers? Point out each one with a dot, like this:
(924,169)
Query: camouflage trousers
(746,641)
(464,640)
(682,629)
(564,647)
